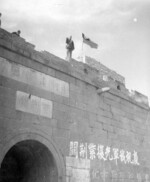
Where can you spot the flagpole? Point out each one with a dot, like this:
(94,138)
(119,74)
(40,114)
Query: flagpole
(82,45)
(83,52)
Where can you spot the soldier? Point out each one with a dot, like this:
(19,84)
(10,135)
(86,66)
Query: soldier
(69,47)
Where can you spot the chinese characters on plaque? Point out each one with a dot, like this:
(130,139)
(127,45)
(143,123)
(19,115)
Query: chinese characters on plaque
(97,151)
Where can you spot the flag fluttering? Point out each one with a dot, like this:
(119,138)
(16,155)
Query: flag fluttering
(89,42)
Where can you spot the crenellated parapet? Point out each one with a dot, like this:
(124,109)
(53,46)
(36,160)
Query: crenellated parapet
(104,72)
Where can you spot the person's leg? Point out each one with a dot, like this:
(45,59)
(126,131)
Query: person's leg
(67,57)
(70,54)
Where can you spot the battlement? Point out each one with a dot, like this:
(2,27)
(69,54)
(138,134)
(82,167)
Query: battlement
(104,72)
(92,71)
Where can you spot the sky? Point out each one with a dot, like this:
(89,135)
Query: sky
(121,28)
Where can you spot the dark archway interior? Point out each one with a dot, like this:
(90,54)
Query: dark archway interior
(28,161)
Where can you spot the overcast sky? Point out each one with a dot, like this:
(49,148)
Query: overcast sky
(121,28)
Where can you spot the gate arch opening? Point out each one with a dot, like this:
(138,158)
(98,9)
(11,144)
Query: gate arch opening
(28,161)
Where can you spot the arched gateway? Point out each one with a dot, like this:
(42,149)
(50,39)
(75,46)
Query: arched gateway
(30,157)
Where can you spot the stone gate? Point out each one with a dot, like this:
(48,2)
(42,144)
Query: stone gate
(68,121)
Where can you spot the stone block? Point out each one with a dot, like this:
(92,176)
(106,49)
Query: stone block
(46,108)
(75,88)
(62,124)
(61,115)
(112,136)
(129,116)
(32,104)
(62,143)
(7,112)
(104,106)
(7,101)
(6,44)
(63,76)
(117,124)
(61,132)
(112,97)
(117,111)
(77,163)
(60,99)
(33,77)
(98,125)
(78,174)
(111,102)
(108,128)
(104,119)
(61,107)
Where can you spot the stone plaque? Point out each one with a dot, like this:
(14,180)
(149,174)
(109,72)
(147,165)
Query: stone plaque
(46,108)
(33,104)
(33,78)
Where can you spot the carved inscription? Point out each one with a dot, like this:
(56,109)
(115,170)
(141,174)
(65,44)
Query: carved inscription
(92,151)
(32,77)
(33,104)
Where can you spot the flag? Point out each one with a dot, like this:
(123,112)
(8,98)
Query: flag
(89,42)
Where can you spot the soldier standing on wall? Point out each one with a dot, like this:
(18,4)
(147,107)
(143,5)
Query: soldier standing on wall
(69,47)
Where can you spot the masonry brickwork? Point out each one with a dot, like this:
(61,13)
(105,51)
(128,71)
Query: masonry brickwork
(51,115)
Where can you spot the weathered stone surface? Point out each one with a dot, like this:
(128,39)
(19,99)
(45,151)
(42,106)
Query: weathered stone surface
(89,136)
(104,71)
(32,104)
(32,77)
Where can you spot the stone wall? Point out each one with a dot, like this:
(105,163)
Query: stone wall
(92,136)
